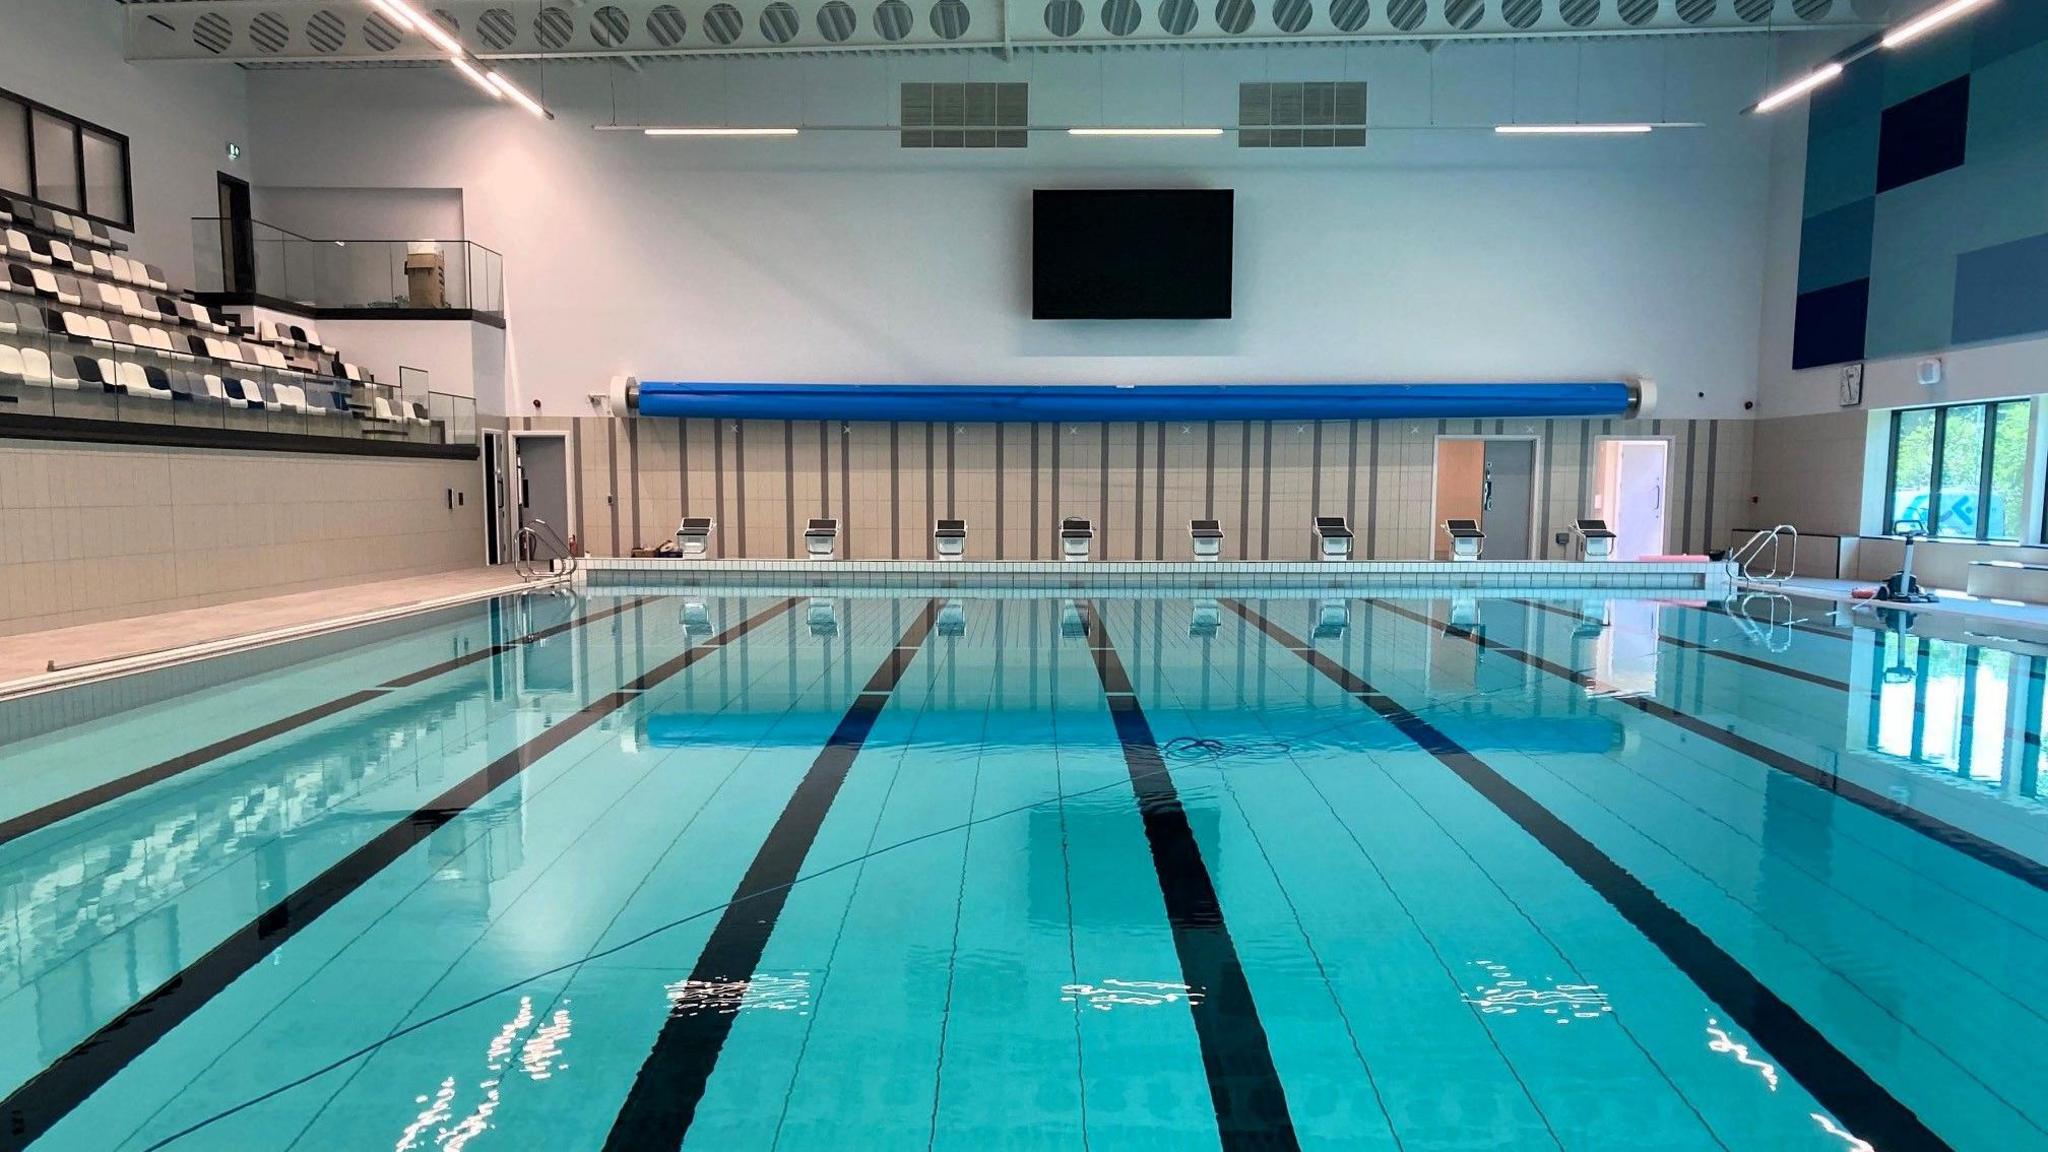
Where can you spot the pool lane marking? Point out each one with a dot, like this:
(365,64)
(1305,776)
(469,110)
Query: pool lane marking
(670,1084)
(46,1098)
(1244,1086)
(77,803)
(1962,840)
(1836,1081)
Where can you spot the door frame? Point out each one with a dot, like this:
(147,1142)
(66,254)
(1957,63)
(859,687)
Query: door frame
(1670,478)
(1538,461)
(494,444)
(237,235)
(571,530)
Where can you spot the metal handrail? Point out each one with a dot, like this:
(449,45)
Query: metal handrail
(527,542)
(1745,557)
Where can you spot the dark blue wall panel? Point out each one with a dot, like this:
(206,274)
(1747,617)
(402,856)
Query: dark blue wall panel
(1923,136)
(1829,327)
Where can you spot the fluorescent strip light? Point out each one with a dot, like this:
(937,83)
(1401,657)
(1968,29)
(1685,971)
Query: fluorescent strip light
(1928,21)
(475,77)
(402,17)
(518,97)
(720,131)
(1572,129)
(1144,131)
(1799,87)
(426,26)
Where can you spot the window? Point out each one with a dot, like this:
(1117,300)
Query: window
(64,162)
(1960,470)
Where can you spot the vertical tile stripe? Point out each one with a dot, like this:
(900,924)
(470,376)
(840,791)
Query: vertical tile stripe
(739,483)
(1549,474)
(1138,496)
(895,491)
(1159,495)
(789,489)
(1002,438)
(1244,490)
(1372,497)
(1034,525)
(1707,505)
(718,482)
(1266,491)
(1102,532)
(846,486)
(930,485)
(633,477)
(1692,428)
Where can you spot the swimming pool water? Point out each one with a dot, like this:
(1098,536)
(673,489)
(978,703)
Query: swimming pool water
(859,872)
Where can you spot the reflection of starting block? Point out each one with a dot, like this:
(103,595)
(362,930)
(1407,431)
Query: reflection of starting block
(1333,538)
(1596,541)
(1332,617)
(949,539)
(1464,613)
(1592,619)
(1207,619)
(696,618)
(1207,536)
(823,616)
(821,539)
(952,619)
(1077,539)
(1072,622)
(693,539)
(1467,541)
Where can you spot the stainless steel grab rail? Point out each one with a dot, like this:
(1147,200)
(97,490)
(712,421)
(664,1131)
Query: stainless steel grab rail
(527,544)
(1783,566)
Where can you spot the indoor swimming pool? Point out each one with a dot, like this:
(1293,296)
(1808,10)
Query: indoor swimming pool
(879,870)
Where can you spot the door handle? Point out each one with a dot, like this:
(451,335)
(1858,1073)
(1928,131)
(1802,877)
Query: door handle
(1659,506)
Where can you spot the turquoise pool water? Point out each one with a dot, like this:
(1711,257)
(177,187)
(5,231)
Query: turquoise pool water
(732,873)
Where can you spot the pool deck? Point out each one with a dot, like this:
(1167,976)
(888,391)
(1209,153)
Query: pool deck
(2031,619)
(119,645)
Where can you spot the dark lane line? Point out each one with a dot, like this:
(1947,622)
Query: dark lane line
(1836,1081)
(1968,843)
(1244,1086)
(1721,653)
(37,819)
(665,1094)
(36,1106)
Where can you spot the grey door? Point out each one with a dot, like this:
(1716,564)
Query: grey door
(1510,484)
(544,492)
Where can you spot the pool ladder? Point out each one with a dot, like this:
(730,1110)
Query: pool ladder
(1783,563)
(528,542)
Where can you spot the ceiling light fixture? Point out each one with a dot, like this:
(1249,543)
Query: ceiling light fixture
(1144,131)
(476,77)
(401,16)
(513,92)
(1799,87)
(425,25)
(1928,21)
(1573,129)
(720,131)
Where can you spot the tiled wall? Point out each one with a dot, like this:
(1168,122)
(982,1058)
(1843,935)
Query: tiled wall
(1140,483)
(1808,472)
(1924,225)
(99,532)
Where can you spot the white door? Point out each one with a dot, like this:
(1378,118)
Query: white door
(1639,503)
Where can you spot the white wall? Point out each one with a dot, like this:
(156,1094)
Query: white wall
(178,117)
(1435,253)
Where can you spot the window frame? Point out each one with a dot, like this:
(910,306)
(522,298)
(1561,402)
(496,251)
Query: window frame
(79,127)
(1987,456)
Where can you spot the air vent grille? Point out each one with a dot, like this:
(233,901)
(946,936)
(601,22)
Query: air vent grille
(1315,114)
(979,115)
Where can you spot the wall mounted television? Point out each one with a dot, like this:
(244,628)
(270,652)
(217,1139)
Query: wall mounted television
(1131,254)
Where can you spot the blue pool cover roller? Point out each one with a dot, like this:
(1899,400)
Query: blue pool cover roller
(1050,403)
